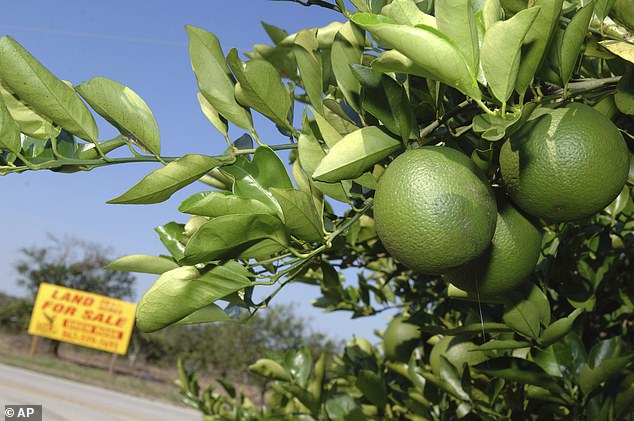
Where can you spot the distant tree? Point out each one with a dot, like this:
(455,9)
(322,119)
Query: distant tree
(14,313)
(72,263)
(225,349)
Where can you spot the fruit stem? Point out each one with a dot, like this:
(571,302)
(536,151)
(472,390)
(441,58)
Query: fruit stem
(426,131)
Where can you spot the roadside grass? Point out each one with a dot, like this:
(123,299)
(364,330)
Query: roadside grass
(124,383)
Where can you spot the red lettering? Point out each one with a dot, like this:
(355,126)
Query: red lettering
(107,319)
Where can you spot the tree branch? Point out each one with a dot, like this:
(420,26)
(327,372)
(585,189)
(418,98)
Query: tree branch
(320,3)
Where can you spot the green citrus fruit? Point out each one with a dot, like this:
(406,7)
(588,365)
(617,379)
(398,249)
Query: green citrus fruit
(507,262)
(565,164)
(457,350)
(399,339)
(434,209)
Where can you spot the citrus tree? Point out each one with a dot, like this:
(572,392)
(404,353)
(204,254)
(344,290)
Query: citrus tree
(469,160)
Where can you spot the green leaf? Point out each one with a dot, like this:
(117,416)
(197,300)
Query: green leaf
(456,293)
(309,64)
(179,292)
(172,236)
(548,360)
(451,377)
(160,184)
(326,35)
(315,386)
(440,58)
(299,363)
(495,127)
(269,169)
(310,155)
(527,316)
(591,377)
(559,328)
(208,314)
(233,235)
(537,42)
(355,154)
(341,119)
(246,186)
(214,77)
(386,100)
(455,18)
(602,8)
(620,203)
(343,407)
(37,87)
(472,329)
(519,370)
(328,133)
(572,41)
(393,61)
(624,97)
(142,263)
(271,369)
(214,117)
(406,12)
(347,49)
(441,384)
(124,109)
(36,150)
(301,218)
(603,350)
(503,344)
(219,203)
(260,87)
(372,386)
(30,123)
(254,179)
(501,52)
(491,13)
(9,131)
(276,34)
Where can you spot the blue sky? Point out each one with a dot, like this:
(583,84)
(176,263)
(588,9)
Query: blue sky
(143,45)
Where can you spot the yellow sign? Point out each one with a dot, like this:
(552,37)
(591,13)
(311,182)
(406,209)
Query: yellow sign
(82,318)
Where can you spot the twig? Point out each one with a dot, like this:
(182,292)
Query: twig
(320,3)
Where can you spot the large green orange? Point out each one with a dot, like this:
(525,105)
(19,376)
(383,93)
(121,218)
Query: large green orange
(565,164)
(509,260)
(434,209)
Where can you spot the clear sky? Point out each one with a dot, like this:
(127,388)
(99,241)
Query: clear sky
(142,44)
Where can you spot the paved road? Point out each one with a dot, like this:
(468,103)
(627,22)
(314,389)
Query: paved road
(64,400)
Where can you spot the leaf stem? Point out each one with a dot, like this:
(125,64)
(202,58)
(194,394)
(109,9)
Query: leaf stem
(483,106)
(306,260)
(348,223)
(257,138)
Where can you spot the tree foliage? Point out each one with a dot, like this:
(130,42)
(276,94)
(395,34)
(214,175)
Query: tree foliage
(226,349)
(396,75)
(74,264)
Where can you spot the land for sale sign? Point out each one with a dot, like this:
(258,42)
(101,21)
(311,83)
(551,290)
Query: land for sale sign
(82,318)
